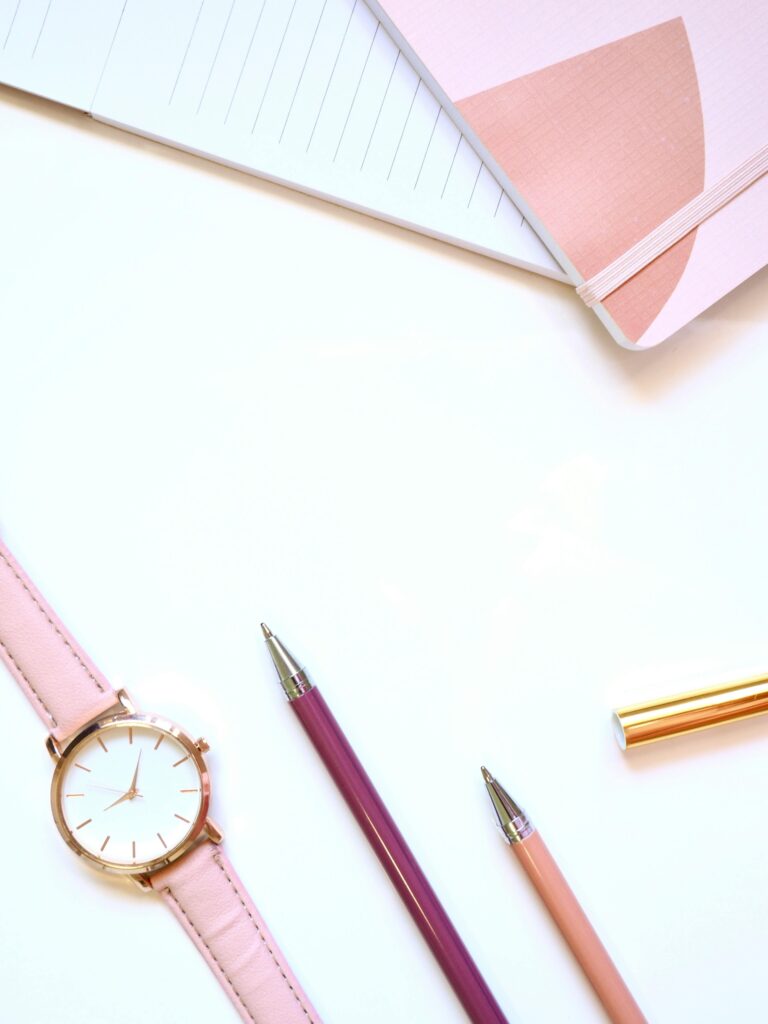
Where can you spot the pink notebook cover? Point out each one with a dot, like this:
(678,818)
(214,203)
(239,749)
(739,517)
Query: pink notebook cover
(605,119)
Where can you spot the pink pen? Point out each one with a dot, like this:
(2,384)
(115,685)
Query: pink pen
(385,837)
(565,909)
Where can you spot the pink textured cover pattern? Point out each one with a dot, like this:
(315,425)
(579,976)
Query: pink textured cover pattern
(62,683)
(213,907)
(603,120)
(618,129)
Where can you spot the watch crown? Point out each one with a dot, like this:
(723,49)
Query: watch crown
(202,745)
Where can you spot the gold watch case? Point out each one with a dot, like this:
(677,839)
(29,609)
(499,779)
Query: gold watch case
(123,717)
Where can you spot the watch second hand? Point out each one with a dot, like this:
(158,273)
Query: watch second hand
(109,789)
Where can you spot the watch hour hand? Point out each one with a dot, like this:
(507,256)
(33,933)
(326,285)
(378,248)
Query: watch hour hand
(132,791)
(126,796)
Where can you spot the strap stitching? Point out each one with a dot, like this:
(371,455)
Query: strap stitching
(296,996)
(53,625)
(216,860)
(212,954)
(259,932)
(35,694)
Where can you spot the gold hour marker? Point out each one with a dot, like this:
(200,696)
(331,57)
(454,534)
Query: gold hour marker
(84,823)
(133,849)
(189,790)
(180,761)
(181,818)
(78,765)
(130,734)
(159,740)
(75,794)
(162,840)
(104,844)
(102,744)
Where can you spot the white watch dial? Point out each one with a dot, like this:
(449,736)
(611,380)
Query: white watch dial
(130,794)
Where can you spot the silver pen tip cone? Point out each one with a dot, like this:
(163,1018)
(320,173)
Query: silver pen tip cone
(266,631)
(511,818)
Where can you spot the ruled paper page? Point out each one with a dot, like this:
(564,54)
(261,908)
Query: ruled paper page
(311,93)
(57,48)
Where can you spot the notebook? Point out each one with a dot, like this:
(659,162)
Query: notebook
(633,136)
(310,93)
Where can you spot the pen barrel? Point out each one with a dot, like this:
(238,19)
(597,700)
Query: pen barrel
(397,859)
(688,712)
(574,925)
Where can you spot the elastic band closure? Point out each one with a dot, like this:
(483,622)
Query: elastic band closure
(673,229)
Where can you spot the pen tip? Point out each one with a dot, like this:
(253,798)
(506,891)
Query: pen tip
(486,774)
(266,631)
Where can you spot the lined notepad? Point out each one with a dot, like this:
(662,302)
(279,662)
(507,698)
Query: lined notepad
(311,93)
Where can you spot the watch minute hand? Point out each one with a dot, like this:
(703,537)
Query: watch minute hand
(135,778)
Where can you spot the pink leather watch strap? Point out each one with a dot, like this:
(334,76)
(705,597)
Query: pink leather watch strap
(62,683)
(212,905)
(67,690)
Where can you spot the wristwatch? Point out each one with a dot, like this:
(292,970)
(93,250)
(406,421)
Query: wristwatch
(130,795)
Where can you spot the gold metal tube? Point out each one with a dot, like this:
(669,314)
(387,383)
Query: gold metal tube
(687,712)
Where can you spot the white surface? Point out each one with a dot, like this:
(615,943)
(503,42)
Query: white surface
(312,92)
(480,522)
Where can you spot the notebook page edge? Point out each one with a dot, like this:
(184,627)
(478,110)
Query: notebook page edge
(356,204)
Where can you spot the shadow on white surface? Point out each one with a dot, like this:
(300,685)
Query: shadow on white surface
(666,755)
(650,374)
(462,480)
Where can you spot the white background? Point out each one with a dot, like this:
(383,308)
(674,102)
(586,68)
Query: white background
(479,522)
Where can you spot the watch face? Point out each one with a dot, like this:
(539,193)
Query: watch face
(131,794)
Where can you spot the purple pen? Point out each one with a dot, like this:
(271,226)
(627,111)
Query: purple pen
(385,837)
